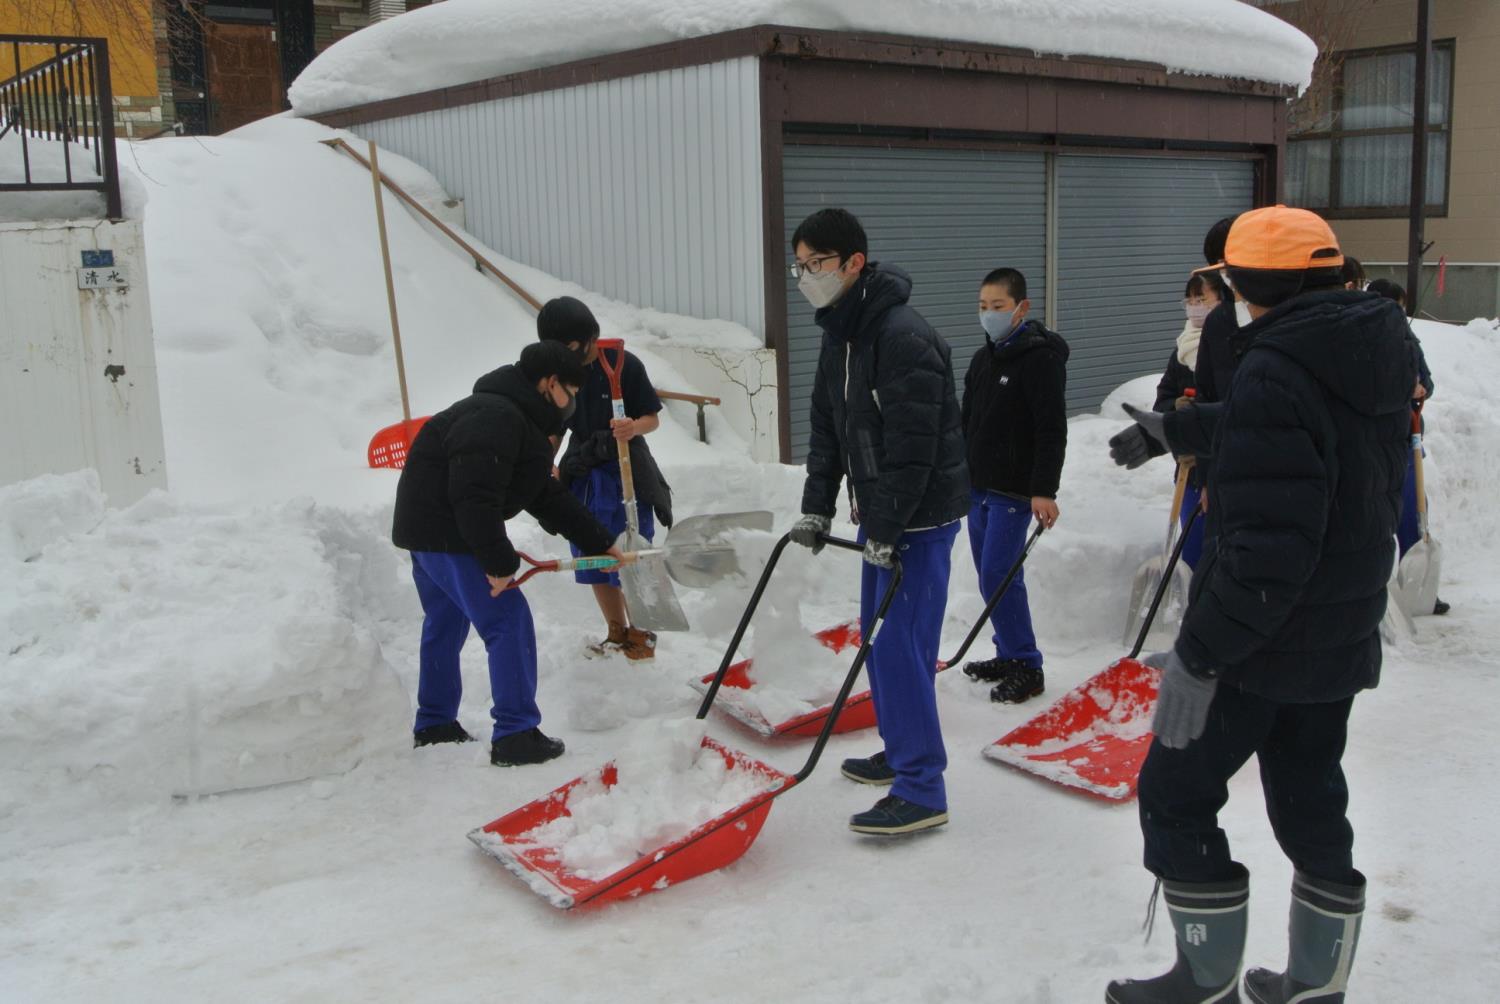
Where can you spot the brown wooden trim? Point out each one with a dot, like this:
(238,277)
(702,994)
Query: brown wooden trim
(1038,145)
(773,209)
(796,44)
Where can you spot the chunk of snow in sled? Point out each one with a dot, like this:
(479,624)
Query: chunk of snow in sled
(663,812)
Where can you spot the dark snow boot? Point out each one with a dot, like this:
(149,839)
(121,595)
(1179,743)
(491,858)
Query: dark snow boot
(1440,609)
(1324,932)
(521,748)
(1019,685)
(1209,920)
(448,732)
(869,770)
(992,670)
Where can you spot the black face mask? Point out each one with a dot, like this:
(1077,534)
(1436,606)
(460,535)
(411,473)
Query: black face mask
(564,412)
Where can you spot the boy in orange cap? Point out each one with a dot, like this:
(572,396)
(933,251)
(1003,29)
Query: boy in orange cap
(1283,630)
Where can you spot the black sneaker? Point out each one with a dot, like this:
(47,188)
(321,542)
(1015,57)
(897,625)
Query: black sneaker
(894,816)
(1440,608)
(1019,685)
(521,748)
(448,732)
(869,770)
(986,670)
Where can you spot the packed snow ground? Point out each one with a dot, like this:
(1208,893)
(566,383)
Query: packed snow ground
(466,40)
(255,625)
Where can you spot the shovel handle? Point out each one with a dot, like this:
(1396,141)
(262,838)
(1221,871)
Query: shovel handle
(867,638)
(995,598)
(1166,582)
(617,405)
(592,562)
(1421,477)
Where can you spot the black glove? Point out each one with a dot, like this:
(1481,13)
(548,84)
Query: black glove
(880,555)
(1145,439)
(809,530)
(1182,704)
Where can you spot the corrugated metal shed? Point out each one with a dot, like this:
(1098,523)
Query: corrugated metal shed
(645,188)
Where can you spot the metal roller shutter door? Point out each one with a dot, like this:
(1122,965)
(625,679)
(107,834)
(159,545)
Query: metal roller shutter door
(1130,229)
(945,216)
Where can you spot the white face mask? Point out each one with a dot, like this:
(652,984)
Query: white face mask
(1196,312)
(823,288)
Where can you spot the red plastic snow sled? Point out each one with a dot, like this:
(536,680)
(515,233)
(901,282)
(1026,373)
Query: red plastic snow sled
(858,712)
(1096,737)
(710,846)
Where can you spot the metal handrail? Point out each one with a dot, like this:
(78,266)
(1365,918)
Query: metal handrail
(66,99)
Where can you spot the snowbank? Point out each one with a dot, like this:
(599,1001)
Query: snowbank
(166,648)
(46,159)
(466,40)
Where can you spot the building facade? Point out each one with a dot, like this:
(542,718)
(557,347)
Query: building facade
(1349,149)
(672,177)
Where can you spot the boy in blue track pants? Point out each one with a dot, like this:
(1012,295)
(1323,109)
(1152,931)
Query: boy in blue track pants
(885,415)
(1016,434)
(473,466)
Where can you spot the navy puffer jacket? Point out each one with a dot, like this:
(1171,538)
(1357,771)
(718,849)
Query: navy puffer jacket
(1309,455)
(885,413)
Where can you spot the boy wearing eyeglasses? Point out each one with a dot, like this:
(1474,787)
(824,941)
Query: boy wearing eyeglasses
(885,417)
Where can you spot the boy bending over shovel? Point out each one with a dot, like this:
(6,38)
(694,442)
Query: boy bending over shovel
(472,467)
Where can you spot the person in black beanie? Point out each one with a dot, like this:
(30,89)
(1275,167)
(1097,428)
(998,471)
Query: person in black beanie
(473,466)
(590,467)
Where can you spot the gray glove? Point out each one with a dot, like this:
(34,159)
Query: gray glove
(809,530)
(1145,439)
(880,555)
(1182,705)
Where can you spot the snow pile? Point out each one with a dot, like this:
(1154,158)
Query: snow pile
(466,40)
(792,673)
(274,348)
(171,649)
(45,156)
(667,785)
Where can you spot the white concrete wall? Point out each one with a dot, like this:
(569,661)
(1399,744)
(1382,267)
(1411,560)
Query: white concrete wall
(744,380)
(77,367)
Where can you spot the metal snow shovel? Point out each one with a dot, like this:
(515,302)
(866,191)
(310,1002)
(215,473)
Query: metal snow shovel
(696,552)
(712,845)
(1154,570)
(649,595)
(1096,736)
(1421,569)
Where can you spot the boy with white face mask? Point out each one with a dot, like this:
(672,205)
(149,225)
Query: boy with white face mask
(885,417)
(1016,433)
(1199,300)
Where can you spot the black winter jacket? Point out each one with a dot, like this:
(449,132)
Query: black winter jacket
(885,413)
(1309,454)
(1015,413)
(478,463)
(1213,371)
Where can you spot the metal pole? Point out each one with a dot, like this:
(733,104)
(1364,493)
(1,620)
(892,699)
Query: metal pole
(1418,158)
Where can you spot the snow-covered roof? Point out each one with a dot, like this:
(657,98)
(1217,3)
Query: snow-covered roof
(461,41)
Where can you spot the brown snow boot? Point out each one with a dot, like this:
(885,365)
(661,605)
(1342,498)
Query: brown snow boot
(615,642)
(640,645)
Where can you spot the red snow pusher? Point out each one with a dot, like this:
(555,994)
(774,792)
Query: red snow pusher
(389,446)
(858,711)
(712,845)
(1096,736)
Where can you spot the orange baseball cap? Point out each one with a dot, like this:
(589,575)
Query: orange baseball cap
(1279,239)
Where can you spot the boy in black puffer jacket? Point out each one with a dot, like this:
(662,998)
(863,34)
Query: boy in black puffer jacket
(473,466)
(885,416)
(1309,449)
(1016,435)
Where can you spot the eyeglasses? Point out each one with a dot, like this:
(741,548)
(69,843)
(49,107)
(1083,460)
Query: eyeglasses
(812,266)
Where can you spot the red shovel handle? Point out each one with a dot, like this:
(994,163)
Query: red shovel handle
(536,566)
(613,371)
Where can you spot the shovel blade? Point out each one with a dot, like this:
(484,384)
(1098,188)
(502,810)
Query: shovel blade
(648,590)
(1173,603)
(1417,578)
(698,553)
